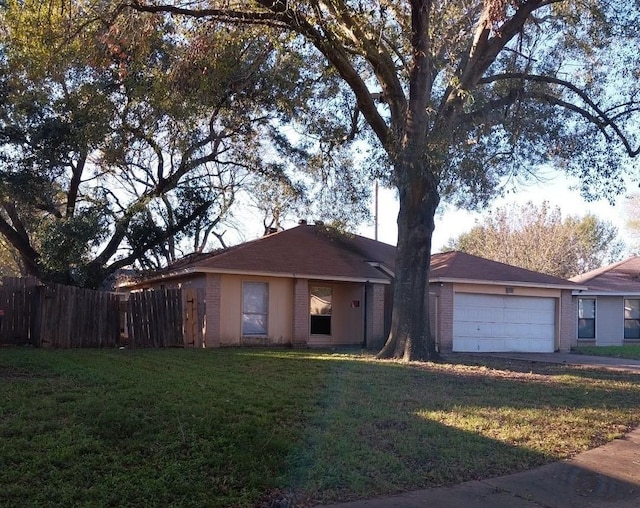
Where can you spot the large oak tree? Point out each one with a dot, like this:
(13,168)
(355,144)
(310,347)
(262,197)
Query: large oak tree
(460,95)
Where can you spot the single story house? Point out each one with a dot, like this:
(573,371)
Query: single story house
(311,285)
(608,309)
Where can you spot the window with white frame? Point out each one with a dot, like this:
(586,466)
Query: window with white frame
(586,318)
(631,318)
(255,308)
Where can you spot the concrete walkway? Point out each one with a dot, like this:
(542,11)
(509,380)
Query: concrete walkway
(605,362)
(608,476)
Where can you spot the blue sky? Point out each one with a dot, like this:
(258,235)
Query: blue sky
(450,222)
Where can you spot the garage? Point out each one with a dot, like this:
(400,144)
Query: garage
(502,323)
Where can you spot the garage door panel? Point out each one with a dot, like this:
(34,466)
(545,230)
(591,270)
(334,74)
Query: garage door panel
(494,323)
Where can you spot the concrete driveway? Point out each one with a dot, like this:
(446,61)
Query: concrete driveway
(606,362)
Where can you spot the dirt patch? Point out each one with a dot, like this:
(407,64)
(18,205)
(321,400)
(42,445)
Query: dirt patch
(11,373)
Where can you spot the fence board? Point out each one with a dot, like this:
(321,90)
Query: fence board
(154,318)
(193,301)
(65,317)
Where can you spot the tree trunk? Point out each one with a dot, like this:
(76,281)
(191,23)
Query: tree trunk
(410,337)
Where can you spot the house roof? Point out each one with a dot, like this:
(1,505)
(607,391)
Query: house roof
(321,252)
(457,266)
(620,277)
(309,251)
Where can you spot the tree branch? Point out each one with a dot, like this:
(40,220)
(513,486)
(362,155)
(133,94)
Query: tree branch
(600,119)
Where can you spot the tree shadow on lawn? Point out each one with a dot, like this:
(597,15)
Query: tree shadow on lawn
(246,424)
(383,427)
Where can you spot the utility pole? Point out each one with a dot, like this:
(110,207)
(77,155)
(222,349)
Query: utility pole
(375,216)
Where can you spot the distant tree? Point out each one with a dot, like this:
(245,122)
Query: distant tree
(632,224)
(539,239)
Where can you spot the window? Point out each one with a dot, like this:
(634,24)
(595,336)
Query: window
(320,306)
(586,318)
(255,308)
(632,319)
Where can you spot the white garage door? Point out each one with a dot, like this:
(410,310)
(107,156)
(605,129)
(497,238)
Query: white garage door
(495,323)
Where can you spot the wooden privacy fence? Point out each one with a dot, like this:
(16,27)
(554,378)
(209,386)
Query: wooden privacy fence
(154,318)
(68,317)
(57,315)
(16,306)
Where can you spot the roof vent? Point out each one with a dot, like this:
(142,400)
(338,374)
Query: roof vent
(302,222)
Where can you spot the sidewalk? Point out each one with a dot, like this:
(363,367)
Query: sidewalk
(607,477)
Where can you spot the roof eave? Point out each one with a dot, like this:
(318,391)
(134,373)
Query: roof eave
(509,283)
(604,292)
(255,273)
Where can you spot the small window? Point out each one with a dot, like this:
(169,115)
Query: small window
(320,306)
(586,318)
(632,319)
(255,308)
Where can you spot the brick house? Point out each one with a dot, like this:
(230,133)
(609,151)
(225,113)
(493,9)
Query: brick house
(313,286)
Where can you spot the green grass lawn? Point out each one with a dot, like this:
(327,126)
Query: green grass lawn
(630,351)
(247,427)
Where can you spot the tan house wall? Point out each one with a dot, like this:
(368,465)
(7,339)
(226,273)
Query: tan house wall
(441,314)
(491,289)
(280,317)
(347,316)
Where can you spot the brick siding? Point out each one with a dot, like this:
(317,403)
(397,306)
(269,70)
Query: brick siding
(212,310)
(375,313)
(300,312)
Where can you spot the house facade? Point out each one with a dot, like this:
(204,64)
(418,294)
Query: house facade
(608,308)
(308,285)
(313,286)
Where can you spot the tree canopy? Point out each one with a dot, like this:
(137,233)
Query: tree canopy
(538,238)
(125,140)
(460,97)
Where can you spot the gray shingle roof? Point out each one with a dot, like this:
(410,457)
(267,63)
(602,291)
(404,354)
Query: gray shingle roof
(620,277)
(317,251)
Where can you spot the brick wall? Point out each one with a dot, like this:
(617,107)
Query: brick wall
(375,313)
(444,314)
(212,310)
(300,312)
(568,321)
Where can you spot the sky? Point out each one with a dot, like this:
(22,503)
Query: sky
(451,222)
(556,188)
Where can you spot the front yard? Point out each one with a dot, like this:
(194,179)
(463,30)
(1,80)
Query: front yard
(247,427)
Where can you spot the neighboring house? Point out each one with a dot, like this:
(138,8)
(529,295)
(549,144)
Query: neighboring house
(608,309)
(313,286)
